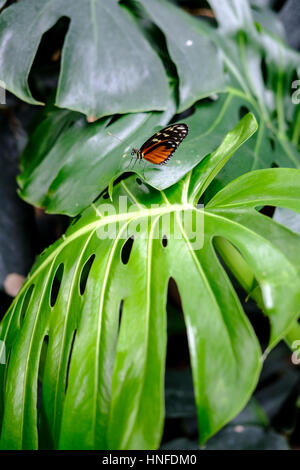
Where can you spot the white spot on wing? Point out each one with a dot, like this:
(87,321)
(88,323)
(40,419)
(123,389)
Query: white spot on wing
(189,43)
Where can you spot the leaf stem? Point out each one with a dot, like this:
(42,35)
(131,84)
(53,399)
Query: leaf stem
(241,94)
(261,104)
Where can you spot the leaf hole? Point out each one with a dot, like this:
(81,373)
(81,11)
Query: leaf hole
(177,347)
(120,312)
(69,360)
(75,219)
(44,72)
(71,123)
(264,70)
(85,273)
(164,241)
(4,372)
(56,283)
(41,416)
(277,5)
(272,143)
(126,250)
(266,210)
(187,112)
(6,369)
(41,369)
(243,111)
(260,323)
(113,119)
(155,36)
(25,304)
(45,434)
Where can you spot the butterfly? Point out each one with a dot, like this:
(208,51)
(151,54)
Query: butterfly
(161,146)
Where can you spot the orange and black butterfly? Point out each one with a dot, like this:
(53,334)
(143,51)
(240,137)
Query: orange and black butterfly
(161,146)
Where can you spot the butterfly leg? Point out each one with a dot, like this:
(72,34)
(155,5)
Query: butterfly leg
(135,162)
(140,161)
(130,162)
(143,170)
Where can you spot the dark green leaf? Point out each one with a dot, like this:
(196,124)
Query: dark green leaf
(230,438)
(107,66)
(247,438)
(197,59)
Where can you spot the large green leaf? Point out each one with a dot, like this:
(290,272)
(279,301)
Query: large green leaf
(107,65)
(68,162)
(198,61)
(90,320)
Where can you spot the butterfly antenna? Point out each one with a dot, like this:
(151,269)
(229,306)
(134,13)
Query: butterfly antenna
(115,136)
(120,140)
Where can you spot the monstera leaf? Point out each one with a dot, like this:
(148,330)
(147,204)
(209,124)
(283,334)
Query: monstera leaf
(108,65)
(115,79)
(86,336)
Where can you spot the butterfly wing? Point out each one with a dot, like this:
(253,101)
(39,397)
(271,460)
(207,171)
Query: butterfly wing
(160,153)
(161,146)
